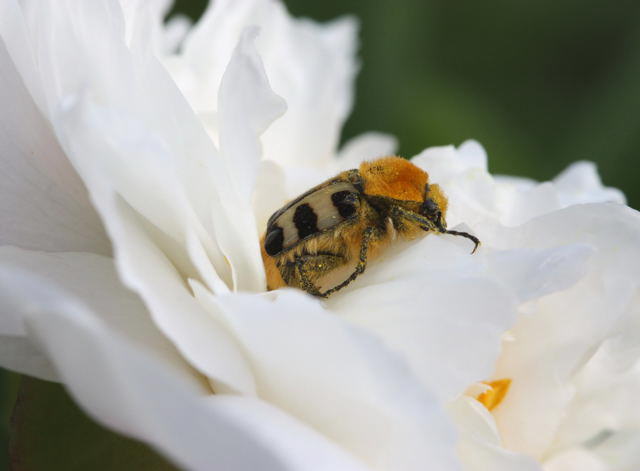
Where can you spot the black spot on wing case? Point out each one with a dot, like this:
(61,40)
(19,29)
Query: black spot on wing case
(309,214)
(273,241)
(306,221)
(345,202)
(354,179)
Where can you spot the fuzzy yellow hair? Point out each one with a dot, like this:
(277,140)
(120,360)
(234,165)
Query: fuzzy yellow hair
(394,177)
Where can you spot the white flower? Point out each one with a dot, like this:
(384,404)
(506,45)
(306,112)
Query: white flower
(136,182)
(573,356)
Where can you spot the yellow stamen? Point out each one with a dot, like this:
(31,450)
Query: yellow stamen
(492,397)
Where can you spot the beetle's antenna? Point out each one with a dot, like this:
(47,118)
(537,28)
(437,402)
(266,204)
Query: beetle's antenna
(467,236)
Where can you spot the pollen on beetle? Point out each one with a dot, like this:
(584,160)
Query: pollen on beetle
(496,393)
(394,177)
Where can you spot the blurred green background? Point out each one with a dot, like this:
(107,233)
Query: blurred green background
(539,84)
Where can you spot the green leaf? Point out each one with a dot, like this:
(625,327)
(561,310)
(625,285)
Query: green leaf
(49,432)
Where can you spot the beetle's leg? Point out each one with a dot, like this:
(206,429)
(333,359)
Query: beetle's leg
(367,236)
(312,267)
(399,213)
(428,225)
(466,235)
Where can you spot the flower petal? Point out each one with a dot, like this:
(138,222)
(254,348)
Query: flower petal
(463,175)
(269,193)
(15,35)
(576,460)
(435,304)
(144,267)
(480,199)
(580,183)
(547,347)
(149,261)
(310,66)
(532,273)
(43,203)
(300,446)
(192,187)
(74,276)
(430,298)
(161,211)
(620,451)
(247,105)
(603,410)
(138,393)
(145,25)
(479,445)
(338,379)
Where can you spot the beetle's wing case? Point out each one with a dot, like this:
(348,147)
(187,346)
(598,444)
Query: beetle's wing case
(318,210)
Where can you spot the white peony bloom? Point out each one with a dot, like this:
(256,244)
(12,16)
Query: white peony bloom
(572,359)
(140,162)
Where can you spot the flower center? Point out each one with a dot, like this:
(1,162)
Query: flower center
(493,396)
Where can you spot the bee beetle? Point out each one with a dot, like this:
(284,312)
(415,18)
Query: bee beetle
(348,220)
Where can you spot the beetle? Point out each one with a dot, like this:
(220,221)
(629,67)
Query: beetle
(350,219)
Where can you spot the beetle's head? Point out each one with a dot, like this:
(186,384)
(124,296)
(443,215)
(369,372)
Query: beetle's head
(434,206)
